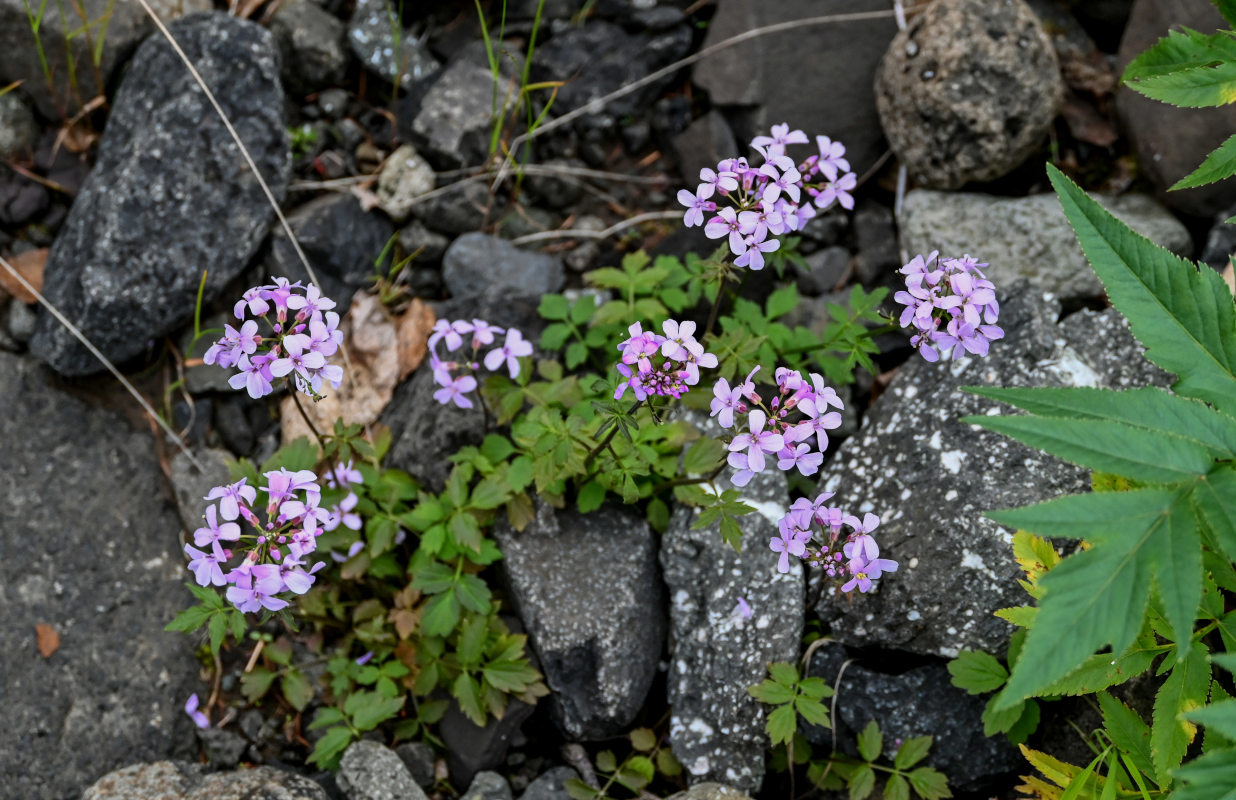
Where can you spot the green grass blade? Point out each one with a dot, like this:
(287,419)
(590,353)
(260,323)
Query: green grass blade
(1220,164)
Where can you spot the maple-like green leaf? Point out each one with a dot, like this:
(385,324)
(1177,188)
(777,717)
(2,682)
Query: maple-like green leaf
(1184,690)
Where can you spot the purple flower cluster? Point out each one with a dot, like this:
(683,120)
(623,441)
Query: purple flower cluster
(812,531)
(277,548)
(456,387)
(781,432)
(344,512)
(303,334)
(951,305)
(775,198)
(668,365)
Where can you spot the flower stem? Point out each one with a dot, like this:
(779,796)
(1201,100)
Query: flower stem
(309,422)
(609,437)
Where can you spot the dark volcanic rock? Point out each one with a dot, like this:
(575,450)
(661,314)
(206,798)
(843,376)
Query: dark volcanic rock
(920,702)
(341,240)
(930,478)
(596,620)
(471,748)
(372,771)
(1171,142)
(716,727)
(754,75)
(968,91)
(386,51)
(311,42)
(476,261)
(705,142)
(453,118)
(163,780)
(551,785)
(18,129)
(170,194)
(89,547)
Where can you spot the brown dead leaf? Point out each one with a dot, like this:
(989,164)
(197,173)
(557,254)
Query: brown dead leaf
(48,639)
(413,328)
(1229,276)
(30,266)
(370,339)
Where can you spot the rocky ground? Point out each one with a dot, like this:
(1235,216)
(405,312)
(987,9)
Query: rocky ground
(119,185)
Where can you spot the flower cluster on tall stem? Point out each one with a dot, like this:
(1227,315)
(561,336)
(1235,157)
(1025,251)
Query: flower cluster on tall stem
(951,306)
(789,431)
(271,557)
(656,365)
(750,203)
(840,544)
(456,377)
(299,332)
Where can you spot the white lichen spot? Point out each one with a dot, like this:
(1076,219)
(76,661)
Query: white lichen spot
(952,460)
(910,392)
(913,562)
(1071,369)
(913,616)
(699,726)
(768,510)
(699,766)
(951,494)
(905,494)
(934,442)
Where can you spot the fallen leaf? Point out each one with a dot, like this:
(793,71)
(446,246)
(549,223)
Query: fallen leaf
(413,328)
(371,372)
(30,266)
(49,640)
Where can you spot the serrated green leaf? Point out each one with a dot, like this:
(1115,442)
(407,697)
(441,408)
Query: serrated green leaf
(1100,671)
(929,784)
(1219,165)
(578,790)
(591,495)
(772,693)
(328,750)
(1184,690)
(467,692)
(1215,501)
(781,302)
(703,456)
(643,739)
(296,455)
(783,673)
(326,716)
(471,644)
(667,765)
(912,751)
(297,689)
(473,594)
(997,719)
(1184,316)
(977,672)
(441,614)
(896,788)
(1097,597)
(1220,717)
(1192,86)
(781,724)
(190,619)
(1211,777)
(862,781)
(1127,731)
(870,741)
(1150,408)
(255,683)
(553,307)
(1180,49)
(1027,724)
(812,711)
(1107,446)
(374,710)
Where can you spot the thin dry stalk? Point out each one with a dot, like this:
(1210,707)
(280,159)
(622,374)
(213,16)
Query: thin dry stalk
(639,219)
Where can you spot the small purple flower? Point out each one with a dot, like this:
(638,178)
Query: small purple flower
(511,351)
(838,191)
(787,545)
(742,610)
(205,567)
(199,718)
(757,442)
(724,402)
(831,161)
(483,333)
(254,376)
(801,456)
(456,390)
(232,496)
(213,532)
(363,660)
(696,204)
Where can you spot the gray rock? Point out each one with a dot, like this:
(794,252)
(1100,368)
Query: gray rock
(224,746)
(716,727)
(1027,237)
(127,25)
(386,50)
(1170,142)
(471,748)
(753,75)
(599,57)
(169,195)
(464,209)
(21,200)
(551,785)
(89,546)
(825,269)
(404,177)
(920,702)
(476,261)
(334,103)
(876,235)
(710,791)
(418,757)
(165,780)
(488,786)
(703,144)
(423,432)
(596,621)
(429,245)
(555,191)
(580,257)
(192,484)
(968,91)
(18,129)
(372,771)
(1220,242)
(341,240)
(205,377)
(930,478)
(454,117)
(21,321)
(311,42)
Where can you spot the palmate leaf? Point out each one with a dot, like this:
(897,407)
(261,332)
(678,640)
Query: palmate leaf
(1220,164)
(1141,539)
(1107,446)
(1228,9)
(1193,87)
(1184,317)
(1211,777)
(1184,690)
(1215,501)
(1150,408)
(1127,731)
(1179,51)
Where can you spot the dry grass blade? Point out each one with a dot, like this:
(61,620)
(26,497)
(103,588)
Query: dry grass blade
(81,337)
(651,216)
(746,36)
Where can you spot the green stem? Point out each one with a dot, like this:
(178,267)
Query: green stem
(609,437)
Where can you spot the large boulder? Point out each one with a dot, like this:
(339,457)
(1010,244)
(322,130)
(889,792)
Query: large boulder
(1027,237)
(596,618)
(164,780)
(716,727)
(930,478)
(90,559)
(751,78)
(116,27)
(170,195)
(968,91)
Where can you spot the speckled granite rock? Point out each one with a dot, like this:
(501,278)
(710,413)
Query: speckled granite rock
(375,34)
(930,478)
(372,771)
(710,791)
(716,727)
(166,780)
(586,588)
(1027,237)
(192,484)
(477,260)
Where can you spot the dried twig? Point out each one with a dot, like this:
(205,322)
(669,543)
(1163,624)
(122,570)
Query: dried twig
(639,219)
